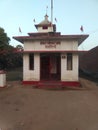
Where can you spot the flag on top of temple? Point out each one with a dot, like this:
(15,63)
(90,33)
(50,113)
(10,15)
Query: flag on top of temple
(55,19)
(34,20)
(20,30)
(81,28)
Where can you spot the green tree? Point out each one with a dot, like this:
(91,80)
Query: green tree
(4,48)
(4,39)
(9,56)
(19,47)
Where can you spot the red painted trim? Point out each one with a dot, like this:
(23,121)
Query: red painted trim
(42,51)
(2,72)
(71,83)
(44,34)
(30,82)
(51,51)
(63,83)
(1,87)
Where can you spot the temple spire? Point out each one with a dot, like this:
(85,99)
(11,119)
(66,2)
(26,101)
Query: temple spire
(46,10)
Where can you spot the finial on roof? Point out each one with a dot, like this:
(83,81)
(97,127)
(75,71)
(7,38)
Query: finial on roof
(46,17)
(46,9)
(51,11)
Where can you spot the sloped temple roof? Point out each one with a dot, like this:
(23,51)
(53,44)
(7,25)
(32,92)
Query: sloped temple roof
(44,22)
(50,36)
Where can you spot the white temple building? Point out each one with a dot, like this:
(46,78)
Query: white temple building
(50,56)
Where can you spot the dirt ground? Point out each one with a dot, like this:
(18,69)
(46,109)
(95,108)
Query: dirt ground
(27,108)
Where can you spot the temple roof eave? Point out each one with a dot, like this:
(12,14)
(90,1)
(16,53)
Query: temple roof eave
(79,38)
(19,39)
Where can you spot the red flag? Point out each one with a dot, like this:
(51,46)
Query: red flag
(81,28)
(34,20)
(46,8)
(55,19)
(20,30)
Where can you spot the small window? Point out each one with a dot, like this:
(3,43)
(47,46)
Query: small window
(45,27)
(31,61)
(69,61)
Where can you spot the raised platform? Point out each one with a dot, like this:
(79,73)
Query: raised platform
(52,84)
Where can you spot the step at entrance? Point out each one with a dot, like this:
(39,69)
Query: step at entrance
(50,84)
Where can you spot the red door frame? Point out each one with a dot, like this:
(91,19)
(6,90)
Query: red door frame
(45,66)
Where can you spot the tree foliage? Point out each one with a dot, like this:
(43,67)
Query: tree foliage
(19,47)
(9,56)
(4,39)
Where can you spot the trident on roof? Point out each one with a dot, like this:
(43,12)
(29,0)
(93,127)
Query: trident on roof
(51,11)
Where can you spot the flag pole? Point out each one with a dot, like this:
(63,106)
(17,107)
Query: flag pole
(51,11)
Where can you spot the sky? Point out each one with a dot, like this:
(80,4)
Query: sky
(70,15)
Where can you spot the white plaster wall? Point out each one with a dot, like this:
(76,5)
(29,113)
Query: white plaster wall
(31,75)
(65,45)
(40,29)
(69,75)
(34,75)
(2,79)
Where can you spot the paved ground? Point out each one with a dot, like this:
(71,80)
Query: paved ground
(26,108)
